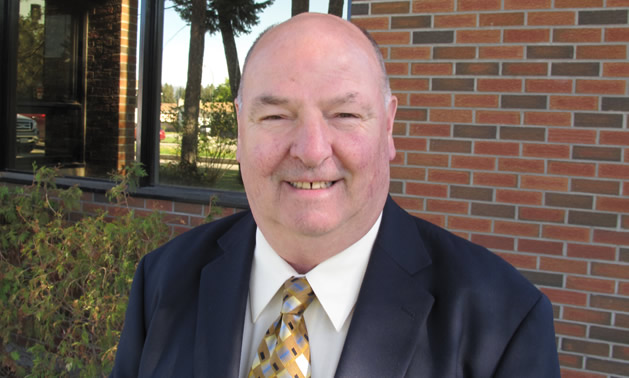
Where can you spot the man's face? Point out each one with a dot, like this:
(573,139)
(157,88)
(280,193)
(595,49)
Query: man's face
(315,132)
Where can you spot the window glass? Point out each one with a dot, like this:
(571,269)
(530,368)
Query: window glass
(199,150)
(76,85)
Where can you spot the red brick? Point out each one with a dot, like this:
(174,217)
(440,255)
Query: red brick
(500,19)
(412,144)
(474,162)
(571,169)
(399,158)
(569,329)
(438,219)
(372,23)
(623,289)
(549,85)
(499,85)
(590,284)
(611,237)
(398,84)
(612,204)
(159,205)
(597,252)
(411,53)
(427,190)
(610,270)
(574,102)
(496,242)
(572,136)
(428,160)
(616,69)
(610,303)
(521,165)
(454,20)
(478,5)
(518,260)
(580,35)
(525,69)
(611,87)
(501,52)
(392,38)
(411,114)
(409,203)
(451,115)
(520,197)
(429,129)
(620,171)
(568,233)
(431,6)
(618,138)
(456,52)
(449,176)
(585,347)
(586,315)
(540,246)
(548,151)
(390,7)
(551,18)
(553,264)
(526,35)
(478,36)
(188,208)
(432,69)
(617,3)
(476,101)
(447,206)
(602,52)
(617,35)
(529,4)
(497,148)
(402,100)
(516,228)
(565,297)
(408,173)
(396,68)
(542,214)
(557,184)
(175,219)
(497,117)
(431,99)
(196,221)
(495,179)
(469,224)
(578,3)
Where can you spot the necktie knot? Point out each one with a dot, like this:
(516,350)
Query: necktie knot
(297,296)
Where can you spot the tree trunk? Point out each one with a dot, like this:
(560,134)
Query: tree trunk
(231,54)
(299,6)
(189,140)
(335,7)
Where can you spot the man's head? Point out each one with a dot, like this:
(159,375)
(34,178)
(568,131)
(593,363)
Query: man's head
(315,118)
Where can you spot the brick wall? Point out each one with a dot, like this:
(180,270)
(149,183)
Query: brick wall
(512,131)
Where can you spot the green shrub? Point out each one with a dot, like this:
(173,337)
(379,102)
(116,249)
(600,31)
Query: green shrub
(64,285)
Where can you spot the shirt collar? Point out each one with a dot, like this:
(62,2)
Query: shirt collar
(336,281)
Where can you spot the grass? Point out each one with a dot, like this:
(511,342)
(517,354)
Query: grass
(214,178)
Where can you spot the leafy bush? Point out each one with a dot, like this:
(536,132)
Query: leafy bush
(64,285)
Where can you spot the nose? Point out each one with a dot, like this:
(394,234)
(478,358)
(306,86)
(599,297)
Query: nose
(311,143)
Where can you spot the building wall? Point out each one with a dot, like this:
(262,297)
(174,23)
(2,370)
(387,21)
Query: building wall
(512,132)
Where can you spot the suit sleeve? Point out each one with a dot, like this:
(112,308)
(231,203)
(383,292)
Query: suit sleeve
(133,333)
(532,351)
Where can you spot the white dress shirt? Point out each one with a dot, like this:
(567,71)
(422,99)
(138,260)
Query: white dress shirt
(336,283)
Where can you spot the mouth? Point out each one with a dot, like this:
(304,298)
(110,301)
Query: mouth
(311,185)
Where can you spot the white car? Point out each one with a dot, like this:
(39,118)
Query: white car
(27,134)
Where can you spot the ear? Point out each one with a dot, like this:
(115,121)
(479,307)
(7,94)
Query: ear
(390,118)
(237,109)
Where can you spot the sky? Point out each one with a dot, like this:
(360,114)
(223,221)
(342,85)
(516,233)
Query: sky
(177,40)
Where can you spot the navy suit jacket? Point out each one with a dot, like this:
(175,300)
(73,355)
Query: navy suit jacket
(431,305)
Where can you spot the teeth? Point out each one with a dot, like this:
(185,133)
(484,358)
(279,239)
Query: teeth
(307,185)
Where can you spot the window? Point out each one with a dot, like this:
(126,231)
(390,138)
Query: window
(89,86)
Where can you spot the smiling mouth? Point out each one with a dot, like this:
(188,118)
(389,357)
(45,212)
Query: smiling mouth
(311,185)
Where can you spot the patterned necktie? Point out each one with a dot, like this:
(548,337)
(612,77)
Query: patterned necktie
(284,350)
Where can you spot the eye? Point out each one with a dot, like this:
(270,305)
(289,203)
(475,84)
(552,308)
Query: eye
(346,115)
(273,117)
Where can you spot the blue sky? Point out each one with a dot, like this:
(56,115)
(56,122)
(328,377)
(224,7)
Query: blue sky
(177,38)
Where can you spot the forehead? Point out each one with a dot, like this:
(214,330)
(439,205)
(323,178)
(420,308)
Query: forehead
(312,53)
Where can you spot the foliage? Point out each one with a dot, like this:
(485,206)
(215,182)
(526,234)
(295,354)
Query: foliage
(64,285)
(30,55)
(168,94)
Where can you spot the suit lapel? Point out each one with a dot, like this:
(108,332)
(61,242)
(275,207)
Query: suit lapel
(223,293)
(389,320)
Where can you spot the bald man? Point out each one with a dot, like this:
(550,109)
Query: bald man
(388,294)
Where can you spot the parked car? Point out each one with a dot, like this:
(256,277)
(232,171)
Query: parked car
(27,134)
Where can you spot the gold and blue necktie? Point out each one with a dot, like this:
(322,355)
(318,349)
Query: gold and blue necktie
(285,350)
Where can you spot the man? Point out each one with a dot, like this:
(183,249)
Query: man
(390,295)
